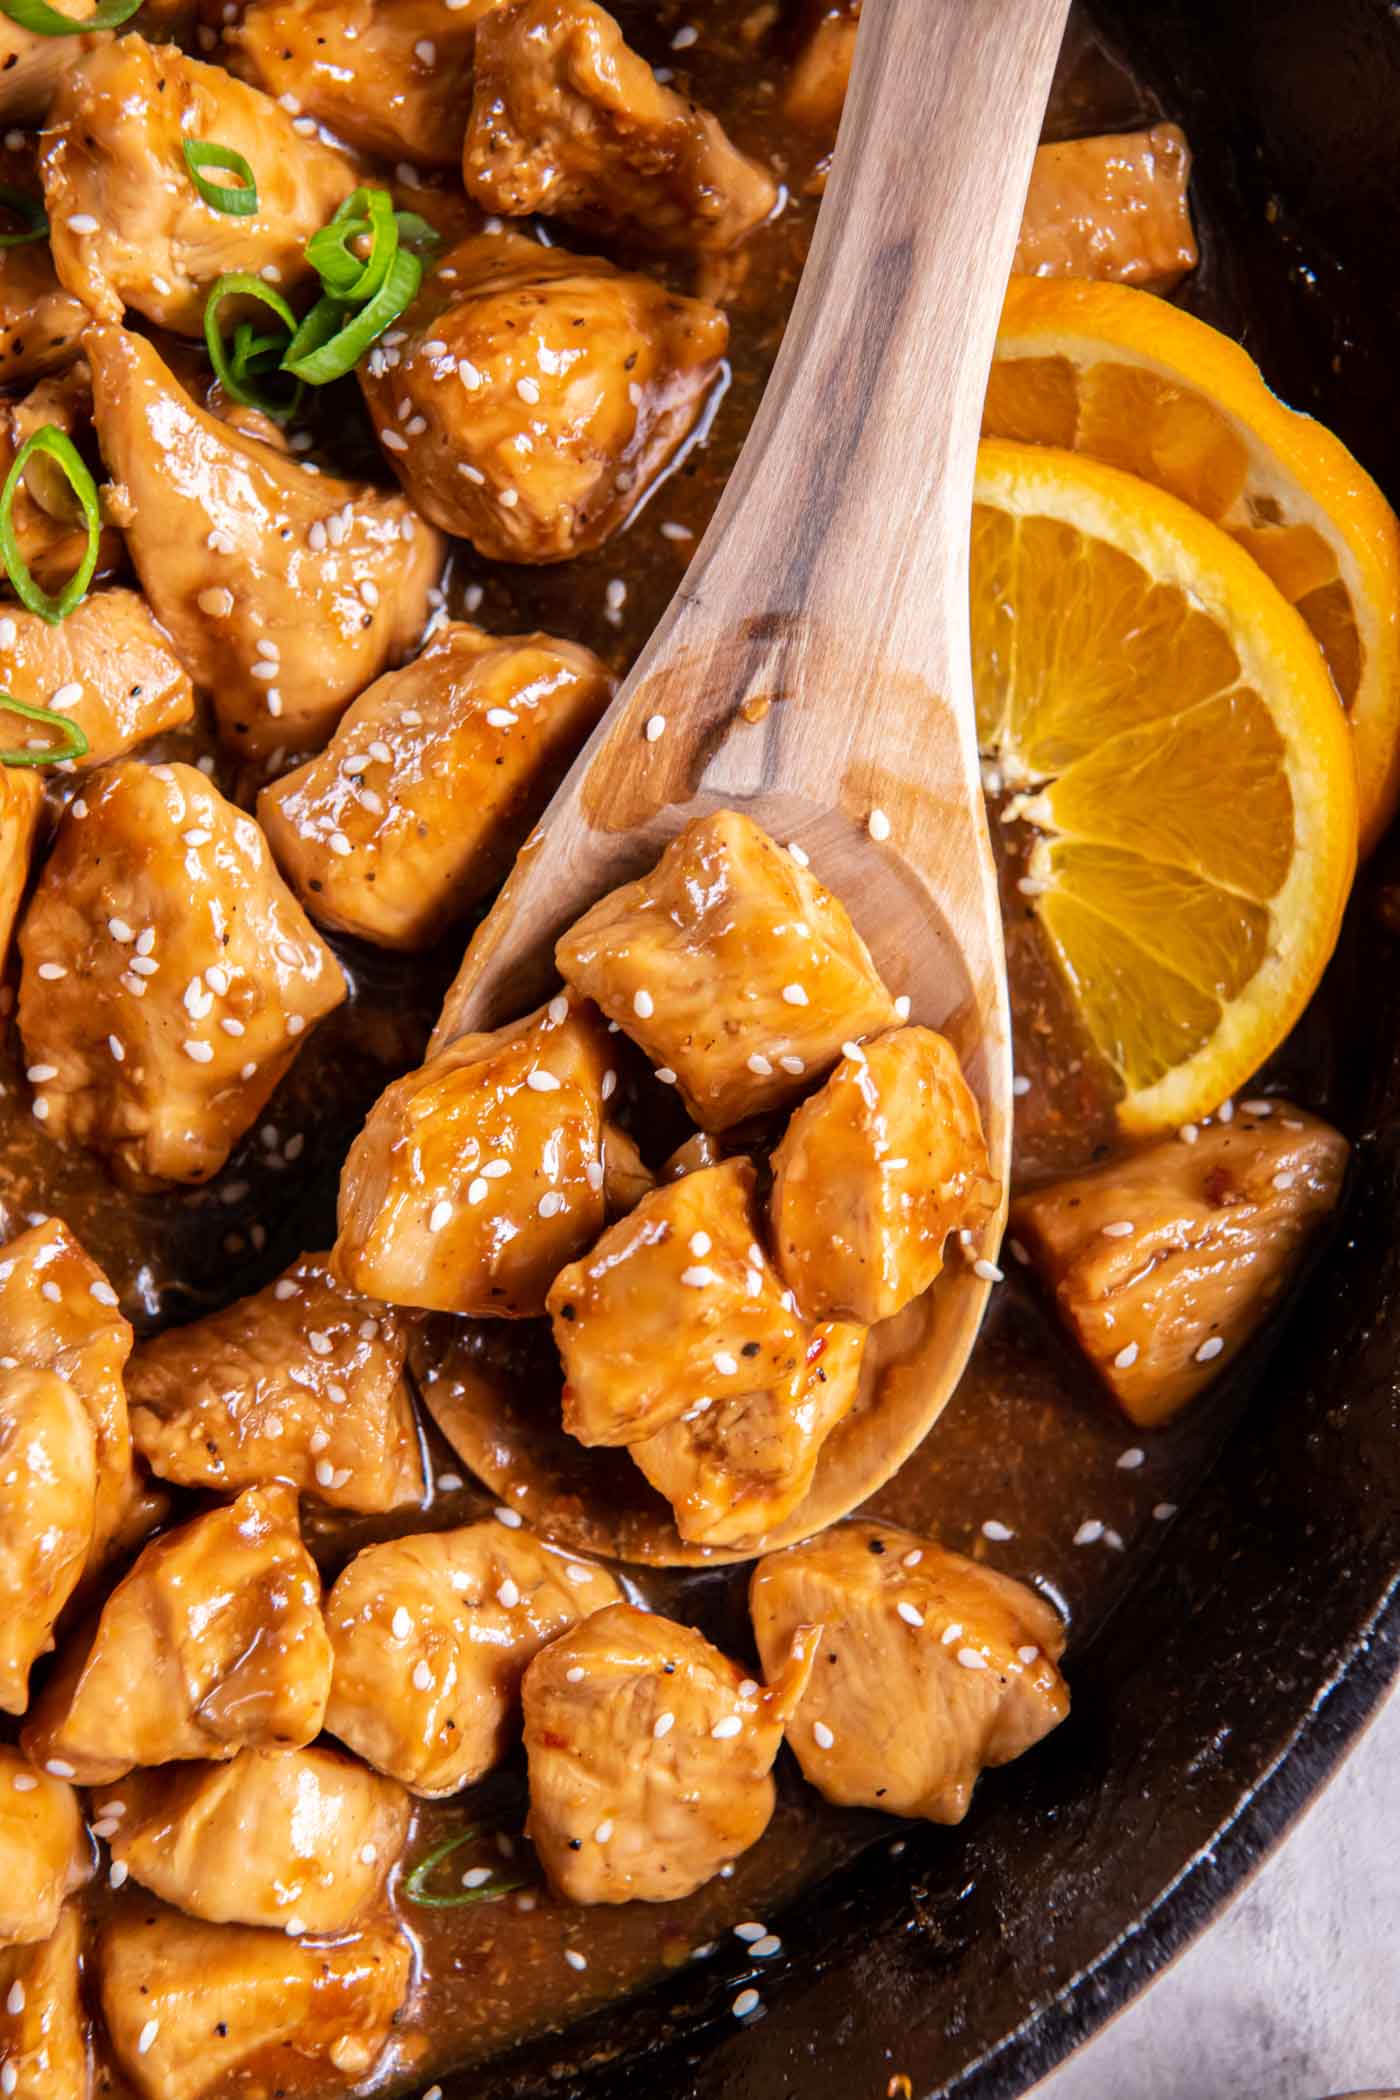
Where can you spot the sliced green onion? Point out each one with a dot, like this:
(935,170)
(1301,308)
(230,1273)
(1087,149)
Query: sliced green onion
(29,210)
(237,371)
(73,743)
(353,279)
(204,153)
(416,233)
(47,21)
(60,448)
(415,1882)
(317,358)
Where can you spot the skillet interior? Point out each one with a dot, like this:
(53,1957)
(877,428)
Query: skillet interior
(1228,1683)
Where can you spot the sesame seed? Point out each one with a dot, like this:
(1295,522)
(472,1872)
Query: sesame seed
(511,1518)
(1284,1180)
(494,1169)
(51,972)
(769,1945)
(643,1005)
(401,1625)
(1127,1356)
(910,1613)
(145,2041)
(551,1203)
(1131,1459)
(666,1076)
(118,1874)
(439,1215)
(655,729)
(603,1832)
(37,1074)
(558,1009)
(998,1533)
(478,1188)
(82,222)
(202,1053)
(394,442)
(542,1082)
(972,1659)
(24,1782)
(508,498)
(51,1291)
(698,1276)
(575,1959)
(1122,1230)
(748,1686)
(1164,1512)
(1089,1534)
(822,1735)
(102,1291)
(700,1244)
(902,1007)
(662,1725)
(501,718)
(760,1067)
(14,2003)
(508,1595)
(879,826)
(120,931)
(1209,1349)
(684,38)
(1188,1133)
(726,1365)
(9,2076)
(574,1674)
(729,1726)
(988,1271)
(422,1677)
(1257,1108)
(794,995)
(747,2002)
(751,1930)
(912,1559)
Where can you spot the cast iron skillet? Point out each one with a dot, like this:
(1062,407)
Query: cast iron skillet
(1228,1685)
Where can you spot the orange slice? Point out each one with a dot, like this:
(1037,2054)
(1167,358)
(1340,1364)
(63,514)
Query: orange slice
(1117,374)
(1163,719)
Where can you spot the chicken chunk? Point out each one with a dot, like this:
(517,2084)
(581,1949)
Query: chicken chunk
(547,392)
(421,800)
(432,1635)
(212,1644)
(732,1469)
(48,1503)
(874,1173)
(393,77)
(930,1667)
(284,591)
(302,1382)
(107,667)
(40,322)
(197,2011)
(300,1840)
(186,975)
(1114,207)
(21,812)
(59,1314)
(1163,1264)
(129,227)
(43,2027)
(568,120)
(675,1305)
(47,518)
(816,91)
(32,64)
(732,966)
(697,1151)
(45,1851)
(650,1754)
(480,1174)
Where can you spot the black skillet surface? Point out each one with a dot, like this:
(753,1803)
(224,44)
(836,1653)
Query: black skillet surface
(1226,1688)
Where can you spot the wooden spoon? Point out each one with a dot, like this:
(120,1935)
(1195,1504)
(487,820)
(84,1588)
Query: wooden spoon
(814,672)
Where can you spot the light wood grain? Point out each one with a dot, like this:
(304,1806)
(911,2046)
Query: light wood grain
(814,666)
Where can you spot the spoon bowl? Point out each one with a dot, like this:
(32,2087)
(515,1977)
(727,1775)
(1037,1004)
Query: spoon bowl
(813,673)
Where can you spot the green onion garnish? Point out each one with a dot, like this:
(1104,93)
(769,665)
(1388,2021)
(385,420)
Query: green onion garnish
(60,448)
(319,357)
(204,153)
(365,215)
(47,21)
(29,210)
(251,355)
(414,1881)
(73,744)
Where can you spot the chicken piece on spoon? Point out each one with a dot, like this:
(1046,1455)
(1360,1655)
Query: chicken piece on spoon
(478,1176)
(421,800)
(650,1755)
(568,120)
(48,1502)
(297,1840)
(732,967)
(131,229)
(1163,1263)
(107,668)
(212,1644)
(392,77)
(929,1667)
(732,1468)
(43,2024)
(302,1382)
(537,395)
(431,1637)
(285,592)
(196,2011)
(45,1851)
(874,1173)
(169,975)
(677,1304)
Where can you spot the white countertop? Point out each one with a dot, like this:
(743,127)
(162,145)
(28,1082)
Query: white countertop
(1295,1992)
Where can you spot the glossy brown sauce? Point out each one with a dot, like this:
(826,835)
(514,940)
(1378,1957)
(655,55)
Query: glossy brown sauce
(1030,1469)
